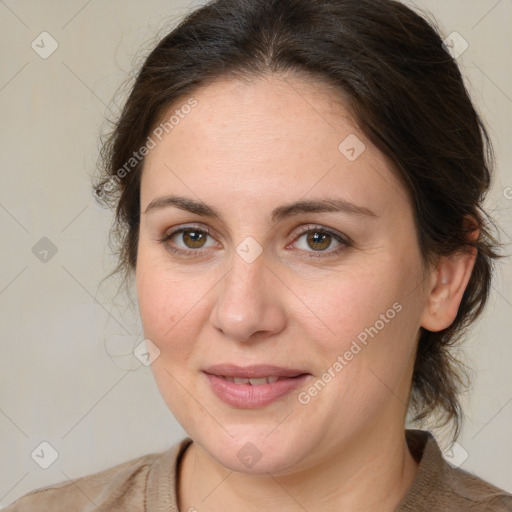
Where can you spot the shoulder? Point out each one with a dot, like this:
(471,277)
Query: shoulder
(121,487)
(473,492)
(442,487)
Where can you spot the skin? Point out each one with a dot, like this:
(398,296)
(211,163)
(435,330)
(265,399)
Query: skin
(246,148)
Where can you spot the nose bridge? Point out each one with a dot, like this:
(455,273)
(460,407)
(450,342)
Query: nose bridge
(247,301)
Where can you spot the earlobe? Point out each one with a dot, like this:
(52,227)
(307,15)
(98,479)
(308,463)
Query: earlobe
(448,283)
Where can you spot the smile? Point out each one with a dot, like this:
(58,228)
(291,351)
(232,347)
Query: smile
(252,393)
(253,382)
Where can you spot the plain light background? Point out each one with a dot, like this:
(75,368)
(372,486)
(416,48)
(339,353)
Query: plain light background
(67,373)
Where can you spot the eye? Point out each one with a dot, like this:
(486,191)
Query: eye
(193,237)
(319,239)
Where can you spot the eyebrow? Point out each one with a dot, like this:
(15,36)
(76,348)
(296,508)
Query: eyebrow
(279,213)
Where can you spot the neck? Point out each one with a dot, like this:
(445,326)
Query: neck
(373,471)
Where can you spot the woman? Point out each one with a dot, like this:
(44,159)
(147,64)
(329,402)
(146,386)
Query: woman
(299,192)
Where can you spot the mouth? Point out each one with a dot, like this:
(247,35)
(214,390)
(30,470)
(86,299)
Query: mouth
(260,381)
(253,373)
(253,386)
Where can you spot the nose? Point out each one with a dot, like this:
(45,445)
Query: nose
(249,302)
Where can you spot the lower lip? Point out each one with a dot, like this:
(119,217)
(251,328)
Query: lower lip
(247,396)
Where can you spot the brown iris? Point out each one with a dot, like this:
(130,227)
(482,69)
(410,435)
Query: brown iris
(195,237)
(313,238)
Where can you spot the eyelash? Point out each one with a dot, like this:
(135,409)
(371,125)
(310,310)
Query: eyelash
(345,241)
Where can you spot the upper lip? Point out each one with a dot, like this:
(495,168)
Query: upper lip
(252,371)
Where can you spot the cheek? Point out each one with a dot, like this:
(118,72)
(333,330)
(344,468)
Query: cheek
(166,304)
(365,323)
(156,305)
(167,316)
(346,304)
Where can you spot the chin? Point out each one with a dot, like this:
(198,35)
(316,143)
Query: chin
(252,450)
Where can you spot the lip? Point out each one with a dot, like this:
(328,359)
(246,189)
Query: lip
(253,371)
(247,396)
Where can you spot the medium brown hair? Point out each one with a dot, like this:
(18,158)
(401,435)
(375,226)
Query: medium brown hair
(404,90)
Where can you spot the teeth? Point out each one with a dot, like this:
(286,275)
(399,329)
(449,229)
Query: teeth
(254,382)
(258,382)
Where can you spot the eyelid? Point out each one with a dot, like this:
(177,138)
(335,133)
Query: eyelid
(343,239)
(185,227)
(312,227)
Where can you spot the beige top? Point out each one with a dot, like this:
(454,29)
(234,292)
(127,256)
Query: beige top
(148,483)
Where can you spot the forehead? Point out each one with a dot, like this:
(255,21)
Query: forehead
(273,136)
(271,108)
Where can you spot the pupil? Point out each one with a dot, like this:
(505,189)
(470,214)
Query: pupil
(195,236)
(315,239)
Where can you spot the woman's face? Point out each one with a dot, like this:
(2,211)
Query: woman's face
(335,293)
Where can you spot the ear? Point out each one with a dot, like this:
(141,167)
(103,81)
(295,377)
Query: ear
(447,285)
